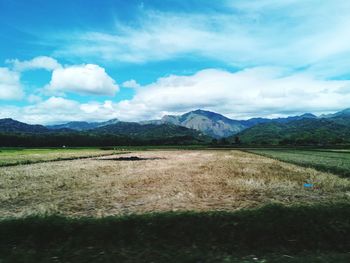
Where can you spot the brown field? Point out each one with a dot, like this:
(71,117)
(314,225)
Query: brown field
(161,181)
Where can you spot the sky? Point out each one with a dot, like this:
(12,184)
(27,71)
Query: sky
(86,60)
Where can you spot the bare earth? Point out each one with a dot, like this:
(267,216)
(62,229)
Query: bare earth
(162,181)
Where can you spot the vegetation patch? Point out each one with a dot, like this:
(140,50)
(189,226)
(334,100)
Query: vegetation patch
(335,161)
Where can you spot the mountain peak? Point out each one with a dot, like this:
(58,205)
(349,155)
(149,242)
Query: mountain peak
(199,111)
(308,115)
(210,123)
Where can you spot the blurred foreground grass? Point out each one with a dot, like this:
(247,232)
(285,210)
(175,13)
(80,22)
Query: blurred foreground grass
(274,233)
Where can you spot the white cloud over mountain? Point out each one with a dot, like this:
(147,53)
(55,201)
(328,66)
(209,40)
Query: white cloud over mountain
(58,109)
(262,91)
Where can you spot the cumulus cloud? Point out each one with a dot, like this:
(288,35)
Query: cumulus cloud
(85,79)
(41,62)
(10,85)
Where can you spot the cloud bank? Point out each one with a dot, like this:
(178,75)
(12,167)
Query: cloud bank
(261,91)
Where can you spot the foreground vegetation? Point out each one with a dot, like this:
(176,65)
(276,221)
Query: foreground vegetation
(15,156)
(118,134)
(334,161)
(271,234)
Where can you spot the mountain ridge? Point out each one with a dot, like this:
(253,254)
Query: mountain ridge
(205,123)
(82,125)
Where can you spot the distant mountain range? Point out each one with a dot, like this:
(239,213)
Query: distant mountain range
(209,123)
(200,125)
(82,125)
(14,133)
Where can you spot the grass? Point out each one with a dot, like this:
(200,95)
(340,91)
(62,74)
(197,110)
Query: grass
(17,156)
(274,233)
(334,161)
(162,181)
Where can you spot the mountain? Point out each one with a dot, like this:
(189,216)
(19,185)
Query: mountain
(210,123)
(254,121)
(10,125)
(342,113)
(341,117)
(149,131)
(307,131)
(190,128)
(219,126)
(82,125)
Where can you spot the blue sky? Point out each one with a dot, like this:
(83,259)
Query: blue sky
(136,60)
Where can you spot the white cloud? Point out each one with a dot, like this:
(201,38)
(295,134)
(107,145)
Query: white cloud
(41,62)
(248,93)
(84,79)
(131,84)
(59,110)
(32,98)
(10,85)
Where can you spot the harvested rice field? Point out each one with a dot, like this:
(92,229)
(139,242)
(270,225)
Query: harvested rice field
(161,181)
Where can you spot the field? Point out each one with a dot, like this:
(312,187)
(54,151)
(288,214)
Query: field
(334,161)
(9,157)
(161,181)
(172,206)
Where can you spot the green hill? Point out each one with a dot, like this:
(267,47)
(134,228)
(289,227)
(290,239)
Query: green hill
(10,125)
(324,131)
(151,131)
(16,134)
